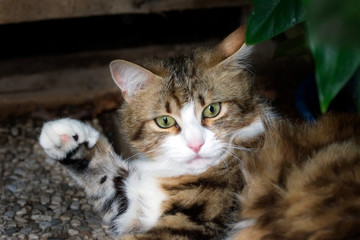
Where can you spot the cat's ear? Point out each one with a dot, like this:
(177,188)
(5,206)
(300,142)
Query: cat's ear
(130,78)
(233,50)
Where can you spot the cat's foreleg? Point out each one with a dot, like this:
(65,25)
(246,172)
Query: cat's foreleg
(92,163)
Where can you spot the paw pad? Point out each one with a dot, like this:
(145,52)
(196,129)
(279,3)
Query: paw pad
(64,138)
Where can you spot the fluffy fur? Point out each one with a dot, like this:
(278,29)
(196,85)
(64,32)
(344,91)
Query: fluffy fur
(240,173)
(304,182)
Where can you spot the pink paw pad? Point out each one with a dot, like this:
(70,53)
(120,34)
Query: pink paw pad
(65,138)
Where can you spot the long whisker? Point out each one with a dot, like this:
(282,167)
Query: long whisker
(132,157)
(233,155)
(232,146)
(226,165)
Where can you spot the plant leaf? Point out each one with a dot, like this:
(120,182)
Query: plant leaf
(333,21)
(335,65)
(272,17)
(334,37)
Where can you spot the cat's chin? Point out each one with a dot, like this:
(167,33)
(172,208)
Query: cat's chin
(199,164)
(199,161)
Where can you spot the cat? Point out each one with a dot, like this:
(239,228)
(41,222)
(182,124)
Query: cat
(180,116)
(211,160)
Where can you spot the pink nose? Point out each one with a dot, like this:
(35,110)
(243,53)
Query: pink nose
(196,145)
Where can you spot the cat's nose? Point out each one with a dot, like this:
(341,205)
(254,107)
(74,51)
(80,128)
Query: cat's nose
(195,145)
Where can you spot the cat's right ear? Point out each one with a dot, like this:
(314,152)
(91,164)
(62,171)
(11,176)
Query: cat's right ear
(233,51)
(130,78)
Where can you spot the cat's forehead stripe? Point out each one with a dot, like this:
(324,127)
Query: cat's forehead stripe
(167,107)
(139,133)
(202,101)
(177,100)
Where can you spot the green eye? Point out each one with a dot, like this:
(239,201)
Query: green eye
(165,121)
(212,110)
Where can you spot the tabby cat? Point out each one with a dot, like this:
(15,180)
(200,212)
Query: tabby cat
(211,160)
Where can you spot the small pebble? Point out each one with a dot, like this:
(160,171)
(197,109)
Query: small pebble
(21,237)
(75,205)
(44,225)
(93,225)
(45,200)
(26,230)
(73,232)
(46,235)
(86,207)
(33,236)
(9,214)
(75,223)
(55,222)
(12,188)
(56,200)
(21,212)
(35,230)
(20,220)
(21,202)
(65,217)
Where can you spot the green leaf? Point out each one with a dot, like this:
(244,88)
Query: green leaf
(335,22)
(335,65)
(272,17)
(334,36)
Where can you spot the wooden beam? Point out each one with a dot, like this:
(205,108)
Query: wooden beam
(31,84)
(16,11)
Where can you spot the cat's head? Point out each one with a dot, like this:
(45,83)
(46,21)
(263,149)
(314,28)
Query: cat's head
(184,112)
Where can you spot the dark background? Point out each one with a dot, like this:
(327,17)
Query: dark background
(64,36)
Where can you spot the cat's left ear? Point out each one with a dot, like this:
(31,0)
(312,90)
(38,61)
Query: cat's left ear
(130,78)
(233,51)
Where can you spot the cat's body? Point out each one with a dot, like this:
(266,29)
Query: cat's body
(304,182)
(202,140)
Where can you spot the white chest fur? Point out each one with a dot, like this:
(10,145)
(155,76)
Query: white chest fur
(145,198)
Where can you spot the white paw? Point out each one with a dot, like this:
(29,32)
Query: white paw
(60,137)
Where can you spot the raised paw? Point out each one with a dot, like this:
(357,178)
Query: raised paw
(60,137)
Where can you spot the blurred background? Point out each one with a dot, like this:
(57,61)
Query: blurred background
(54,57)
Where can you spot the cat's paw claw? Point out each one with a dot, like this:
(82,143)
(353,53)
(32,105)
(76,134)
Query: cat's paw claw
(60,137)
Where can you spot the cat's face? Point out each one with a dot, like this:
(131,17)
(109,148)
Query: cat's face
(185,112)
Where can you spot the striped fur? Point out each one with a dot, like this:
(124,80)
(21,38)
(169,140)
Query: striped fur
(304,183)
(250,176)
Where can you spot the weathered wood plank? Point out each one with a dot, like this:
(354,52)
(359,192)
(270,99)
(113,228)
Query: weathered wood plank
(16,11)
(49,83)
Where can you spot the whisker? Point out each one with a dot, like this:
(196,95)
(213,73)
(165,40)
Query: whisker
(231,146)
(226,165)
(133,157)
(233,155)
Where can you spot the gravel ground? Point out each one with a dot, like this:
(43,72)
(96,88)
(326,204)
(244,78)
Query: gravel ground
(38,199)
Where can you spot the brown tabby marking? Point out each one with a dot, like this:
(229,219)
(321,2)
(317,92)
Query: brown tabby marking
(305,182)
(188,82)
(198,207)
